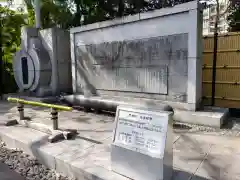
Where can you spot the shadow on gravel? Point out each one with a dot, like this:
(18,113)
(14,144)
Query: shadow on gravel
(233,119)
(232,123)
(5,107)
(87,139)
(182,175)
(35,147)
(99,112)
(181,126)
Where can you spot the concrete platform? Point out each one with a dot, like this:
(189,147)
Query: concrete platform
(87,157)
(209,116)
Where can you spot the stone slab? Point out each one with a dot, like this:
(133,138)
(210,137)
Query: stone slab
(154,26)
(189,152)
(213,168)
(56,156)
(213,117)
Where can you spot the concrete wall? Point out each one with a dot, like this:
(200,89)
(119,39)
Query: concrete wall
(154,55)
(57,42)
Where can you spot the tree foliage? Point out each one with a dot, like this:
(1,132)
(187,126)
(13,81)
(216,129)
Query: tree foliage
(90,11)
(72,13)
(52,14)
(11,22)
(234,16)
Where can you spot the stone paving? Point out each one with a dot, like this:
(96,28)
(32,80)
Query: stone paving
(198,155)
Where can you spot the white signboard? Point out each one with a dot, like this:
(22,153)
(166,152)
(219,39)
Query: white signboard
(142,131)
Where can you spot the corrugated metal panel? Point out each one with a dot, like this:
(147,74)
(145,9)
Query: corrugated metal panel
(227,71)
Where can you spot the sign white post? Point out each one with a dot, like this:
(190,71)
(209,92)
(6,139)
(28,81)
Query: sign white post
(142,144)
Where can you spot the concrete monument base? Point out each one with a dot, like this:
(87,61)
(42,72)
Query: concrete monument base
(207,116)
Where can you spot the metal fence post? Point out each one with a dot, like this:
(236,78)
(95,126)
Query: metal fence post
(54,131)
(54,118)
(20,108)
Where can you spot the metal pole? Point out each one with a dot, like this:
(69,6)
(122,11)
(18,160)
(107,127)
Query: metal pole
(215,44)
(20,108)
(37,13)
(214,69)
(54,118)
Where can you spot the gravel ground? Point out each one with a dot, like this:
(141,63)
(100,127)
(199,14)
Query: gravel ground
(27,166)
(226,130)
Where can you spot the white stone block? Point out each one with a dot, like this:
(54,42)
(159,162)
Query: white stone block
(142,144)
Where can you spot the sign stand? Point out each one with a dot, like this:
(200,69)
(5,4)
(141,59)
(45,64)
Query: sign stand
(142,144)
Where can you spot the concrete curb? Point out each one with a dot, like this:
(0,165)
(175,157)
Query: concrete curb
(209,116)
(70,163)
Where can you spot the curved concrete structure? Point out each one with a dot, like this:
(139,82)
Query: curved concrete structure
(43,65)
(32,69)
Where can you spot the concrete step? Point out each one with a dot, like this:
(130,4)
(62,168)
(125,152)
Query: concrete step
(70,157)
(209,116)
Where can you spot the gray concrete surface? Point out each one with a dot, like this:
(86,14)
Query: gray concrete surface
(197,155)
(44,67)
(213,117)
(208,116)
(160,62)
(8,174)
